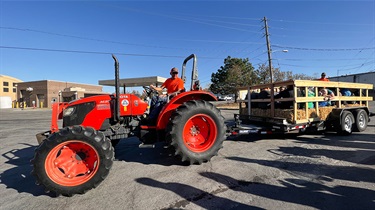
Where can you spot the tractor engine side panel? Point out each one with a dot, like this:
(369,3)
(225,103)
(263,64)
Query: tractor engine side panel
(131,105)
(98,115)
(90,112)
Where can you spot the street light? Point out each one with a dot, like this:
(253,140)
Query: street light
(270,61)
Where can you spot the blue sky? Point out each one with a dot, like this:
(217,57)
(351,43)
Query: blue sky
(72,40)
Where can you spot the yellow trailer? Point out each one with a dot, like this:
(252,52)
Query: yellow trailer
(309,108)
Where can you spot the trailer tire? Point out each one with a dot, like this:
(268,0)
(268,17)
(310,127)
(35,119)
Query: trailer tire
(346,123)
(361,120)
(197,131)
(73,160)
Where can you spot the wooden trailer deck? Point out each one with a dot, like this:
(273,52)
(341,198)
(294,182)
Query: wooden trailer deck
(297,115)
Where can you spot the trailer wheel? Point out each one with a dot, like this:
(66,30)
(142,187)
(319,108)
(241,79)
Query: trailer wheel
(197,131)
(346,125)
(361,120)
(73,160)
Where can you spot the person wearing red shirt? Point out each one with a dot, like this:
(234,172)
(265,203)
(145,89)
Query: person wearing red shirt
(174,86)
(323,77)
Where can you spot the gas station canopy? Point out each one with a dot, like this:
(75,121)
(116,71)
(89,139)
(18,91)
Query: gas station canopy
(135,82)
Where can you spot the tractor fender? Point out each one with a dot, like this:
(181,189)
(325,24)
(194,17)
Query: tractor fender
(174,103)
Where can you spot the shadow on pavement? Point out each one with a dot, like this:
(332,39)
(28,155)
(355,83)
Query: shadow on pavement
(128,150)
(311,169)
(301,192)
(19,177)
(193,195)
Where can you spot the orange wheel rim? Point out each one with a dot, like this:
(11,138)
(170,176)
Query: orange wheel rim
(72,163)
(199,133)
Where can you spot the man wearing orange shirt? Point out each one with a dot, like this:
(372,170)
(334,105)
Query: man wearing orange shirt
(174,86)
(323,77)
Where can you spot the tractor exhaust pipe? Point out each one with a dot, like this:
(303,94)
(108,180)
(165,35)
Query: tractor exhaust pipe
(116,114)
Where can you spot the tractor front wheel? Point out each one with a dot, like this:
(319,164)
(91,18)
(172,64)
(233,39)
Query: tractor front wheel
(197,131)
(73,160)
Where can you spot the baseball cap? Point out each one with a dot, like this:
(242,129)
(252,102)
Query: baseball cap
(174,70)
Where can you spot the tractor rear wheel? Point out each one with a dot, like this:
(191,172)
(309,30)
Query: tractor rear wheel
(197,131)
(73,160)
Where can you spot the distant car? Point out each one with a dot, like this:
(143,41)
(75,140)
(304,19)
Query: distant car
(228,98)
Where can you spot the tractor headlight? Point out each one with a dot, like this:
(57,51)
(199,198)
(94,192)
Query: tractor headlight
(68,111)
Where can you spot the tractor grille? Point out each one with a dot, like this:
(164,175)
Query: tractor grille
(79,114)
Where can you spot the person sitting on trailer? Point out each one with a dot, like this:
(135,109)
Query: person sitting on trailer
(310,93)
(328,96)
(174,86)
(285,93)
(253,95)
(345,92)
(264,94)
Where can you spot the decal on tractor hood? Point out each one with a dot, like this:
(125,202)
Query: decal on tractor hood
(102,106)
(125,102)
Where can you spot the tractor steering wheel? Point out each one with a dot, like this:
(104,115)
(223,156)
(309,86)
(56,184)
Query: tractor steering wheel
(149,91)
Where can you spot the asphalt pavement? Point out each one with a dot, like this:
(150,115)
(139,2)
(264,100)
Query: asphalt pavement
(322,171)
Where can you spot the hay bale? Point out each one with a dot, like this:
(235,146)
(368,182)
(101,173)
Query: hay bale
(288,114)
(353,105)
(325,111)
(284,113)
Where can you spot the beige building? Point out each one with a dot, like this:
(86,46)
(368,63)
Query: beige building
(8,87)
(45,92)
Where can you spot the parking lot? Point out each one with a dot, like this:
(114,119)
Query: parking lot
(324,171)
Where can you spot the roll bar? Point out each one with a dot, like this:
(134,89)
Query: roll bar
(194,73)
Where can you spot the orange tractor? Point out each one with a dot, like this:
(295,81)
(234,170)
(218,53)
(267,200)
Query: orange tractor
(77,157)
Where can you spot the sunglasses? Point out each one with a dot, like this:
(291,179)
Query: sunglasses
(174,72)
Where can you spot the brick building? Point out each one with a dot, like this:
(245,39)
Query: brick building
(45,92)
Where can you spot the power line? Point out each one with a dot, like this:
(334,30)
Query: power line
(182,18)
(321,59)
(127,43)
(325,23)
(96,52)
(322,49)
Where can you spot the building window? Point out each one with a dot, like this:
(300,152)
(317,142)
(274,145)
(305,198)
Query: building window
(5,84)
(14,90)
(6,90)
(14,84)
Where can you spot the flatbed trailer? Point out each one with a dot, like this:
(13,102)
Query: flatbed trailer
(345,115)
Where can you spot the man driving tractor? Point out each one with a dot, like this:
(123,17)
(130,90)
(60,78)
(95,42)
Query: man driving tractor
(174,86)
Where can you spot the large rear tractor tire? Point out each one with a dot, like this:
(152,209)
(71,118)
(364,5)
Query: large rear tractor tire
(361,120)
(73,160)
(197,131)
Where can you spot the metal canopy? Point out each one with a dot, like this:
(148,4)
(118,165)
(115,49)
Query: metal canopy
(135,82)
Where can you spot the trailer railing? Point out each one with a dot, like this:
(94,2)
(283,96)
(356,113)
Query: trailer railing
(300,111)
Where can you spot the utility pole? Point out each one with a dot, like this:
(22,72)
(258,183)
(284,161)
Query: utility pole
(268,49)
(270,66)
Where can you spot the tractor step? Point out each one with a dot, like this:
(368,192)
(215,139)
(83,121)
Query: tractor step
(146,145)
